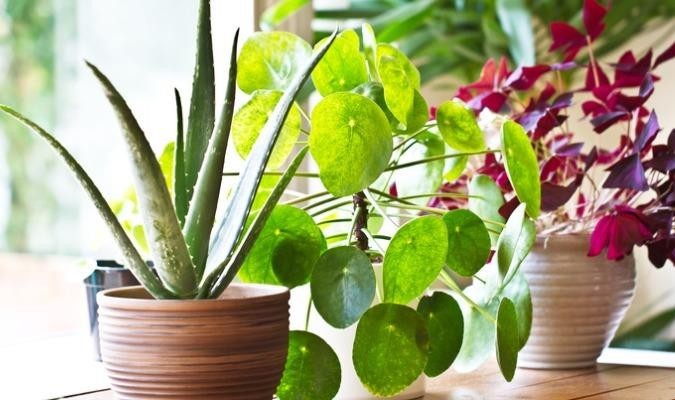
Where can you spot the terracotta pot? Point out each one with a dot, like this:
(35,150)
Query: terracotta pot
(578,302)
(230,348)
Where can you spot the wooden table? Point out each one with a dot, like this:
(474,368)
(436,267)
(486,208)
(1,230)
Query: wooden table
(603,382)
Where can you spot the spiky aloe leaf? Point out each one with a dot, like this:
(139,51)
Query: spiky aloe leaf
(179,194)
(202,115)
(234,217)
(133,258)
(216,283)
(201,216)
(166,240)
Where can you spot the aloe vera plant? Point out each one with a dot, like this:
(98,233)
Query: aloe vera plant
(178,227)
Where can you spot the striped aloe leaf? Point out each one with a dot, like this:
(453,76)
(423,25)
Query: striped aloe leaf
(232,223)
(134,260)
(179,192)
(216,283)
(201,117)
(172,259)
(202,212)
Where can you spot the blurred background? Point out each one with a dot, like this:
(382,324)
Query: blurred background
(146,48)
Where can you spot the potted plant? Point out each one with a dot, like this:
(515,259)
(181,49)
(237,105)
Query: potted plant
(366,258)
(188,331)
(578,301)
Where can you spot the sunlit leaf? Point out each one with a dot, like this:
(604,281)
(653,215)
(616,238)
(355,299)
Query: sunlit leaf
(521,166)
(468,242)
(459,127)
(342,68)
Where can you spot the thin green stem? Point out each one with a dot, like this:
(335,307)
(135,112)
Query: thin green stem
(320,203)
(306,198)
(331,208)
(332,221)
(377,207)
(447,279)
(301,174)
(309,311)
(437,158)
(304,115)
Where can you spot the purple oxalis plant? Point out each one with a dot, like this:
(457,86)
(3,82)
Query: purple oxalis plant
(635,204)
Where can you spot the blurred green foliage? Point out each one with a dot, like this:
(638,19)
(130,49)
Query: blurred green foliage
(455,37)
(27,69)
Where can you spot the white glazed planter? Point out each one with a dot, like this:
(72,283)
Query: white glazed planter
(578,302)
(341,341)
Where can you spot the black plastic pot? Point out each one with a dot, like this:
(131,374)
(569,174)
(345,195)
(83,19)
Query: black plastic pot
(107,274)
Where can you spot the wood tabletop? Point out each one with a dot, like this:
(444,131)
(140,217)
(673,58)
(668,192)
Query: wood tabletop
(613,382)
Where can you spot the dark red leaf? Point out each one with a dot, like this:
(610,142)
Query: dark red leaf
(665,56)
(507,208)
(663,159)
(570,150)
(594,15)
(630,103)
(567,38)
(523,78)
(595,77)
(554,196)
(619,232)
(627,173)
(631,73)
(592,107)
(491,100)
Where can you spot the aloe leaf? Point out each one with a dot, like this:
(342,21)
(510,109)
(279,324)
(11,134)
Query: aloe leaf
(232,223)
(134,260)
(166,240)
(216,283)
(202,115)
(202,212)
(179,193)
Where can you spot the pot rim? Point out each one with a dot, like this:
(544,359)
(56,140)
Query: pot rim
(130,296)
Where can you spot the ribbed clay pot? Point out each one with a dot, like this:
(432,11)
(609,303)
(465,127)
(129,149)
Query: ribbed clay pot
(230,348)
(578,302)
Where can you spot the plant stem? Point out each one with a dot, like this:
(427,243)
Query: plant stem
(379,208)
(437,158)
(306,198)
(360,220)
(447,279)
(300,174)
(309,311)
(304,115)
(320,203)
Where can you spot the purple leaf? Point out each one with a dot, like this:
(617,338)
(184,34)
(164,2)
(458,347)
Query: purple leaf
(647,134)
(563,66)
(594,14)
(604,121)
(630,103)
(627,173)
(570,150)
(507,208)
(553,196)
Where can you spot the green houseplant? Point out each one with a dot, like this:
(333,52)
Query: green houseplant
(142,337)
(371,124)
(368,124)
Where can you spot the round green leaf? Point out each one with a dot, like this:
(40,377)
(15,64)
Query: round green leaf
(270,60)
(289,245)
(446,329)
(414,258)
(399,78)
(479,332)
(519,292)
(421,178)
(454,166)
(521,166)
(375,92)
(459,127)
(350,141)
(343,285)
(507,338)
(342,68)
(252,117)
(515,241)
(468,242)
(486,199)
(312,370)
(390,348)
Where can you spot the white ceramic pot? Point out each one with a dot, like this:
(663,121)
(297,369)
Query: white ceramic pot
(578,302)
(341,341)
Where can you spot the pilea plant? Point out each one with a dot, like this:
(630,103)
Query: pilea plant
(369,128)
(632,204)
